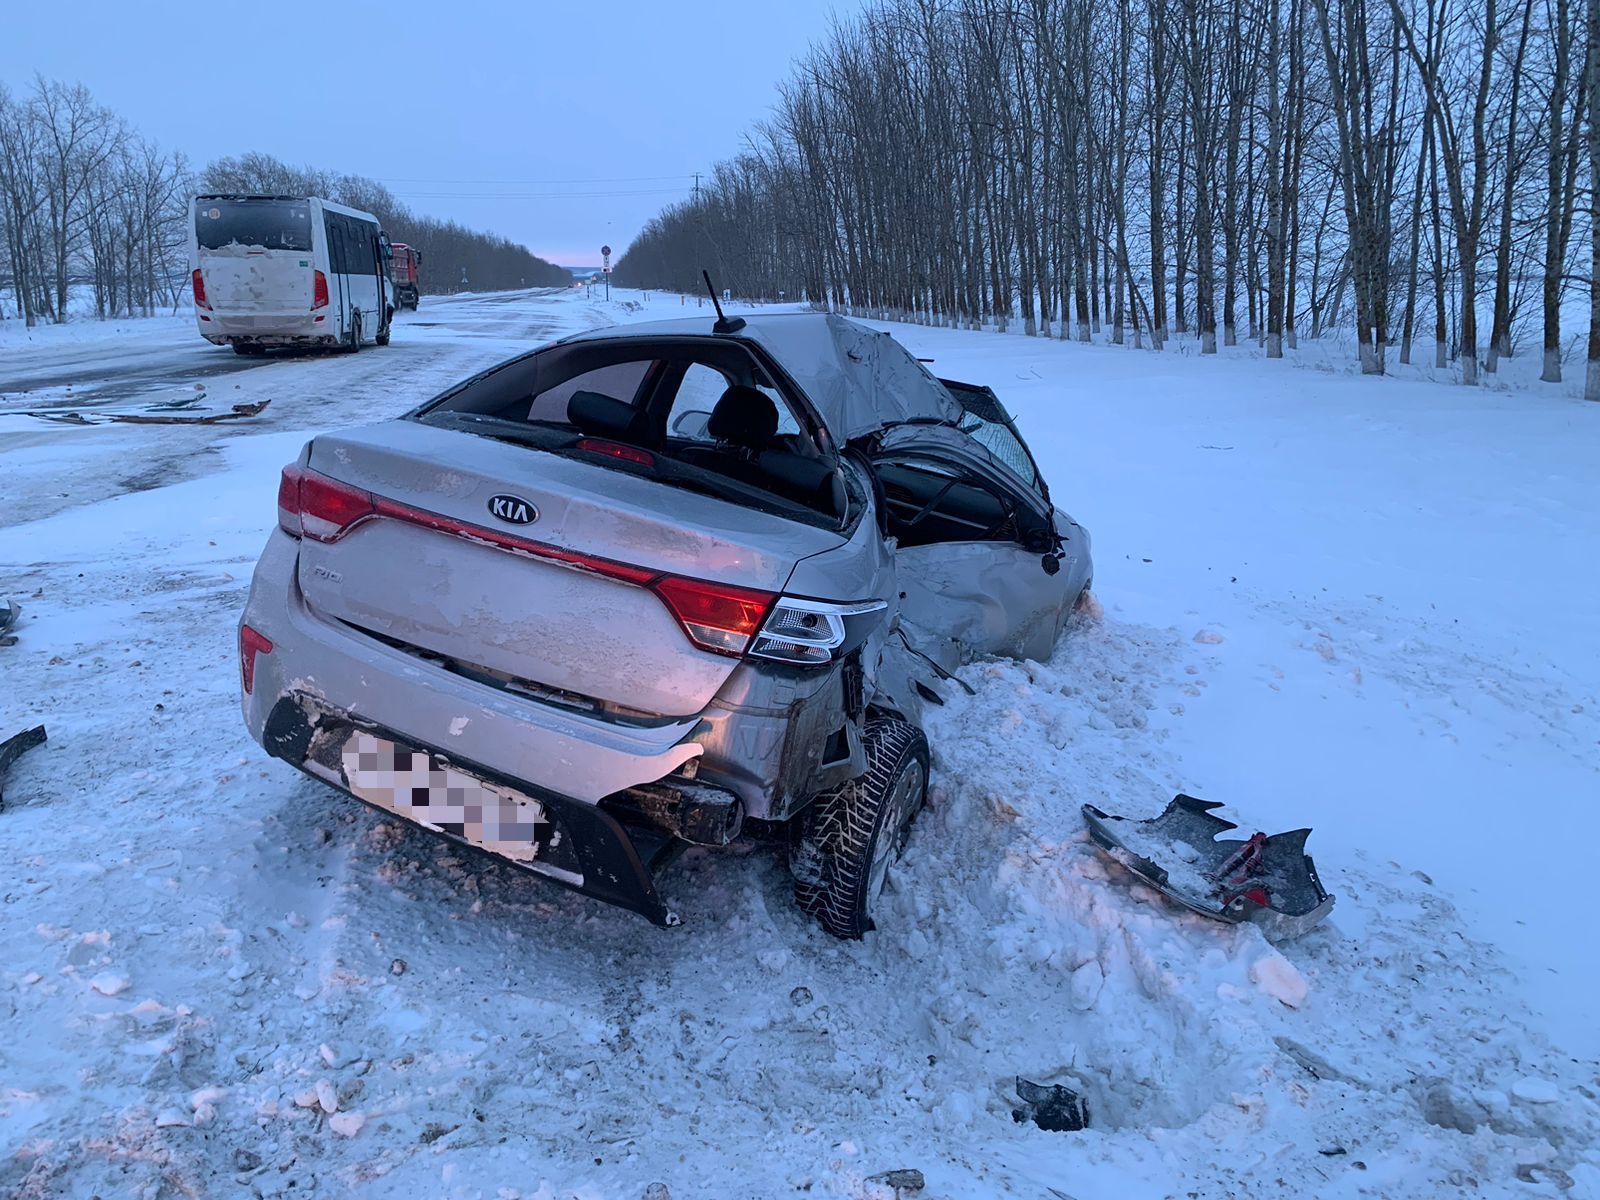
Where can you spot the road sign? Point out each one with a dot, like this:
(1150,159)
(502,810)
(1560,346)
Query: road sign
(606,250)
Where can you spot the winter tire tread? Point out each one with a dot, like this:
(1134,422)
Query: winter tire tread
(844,825)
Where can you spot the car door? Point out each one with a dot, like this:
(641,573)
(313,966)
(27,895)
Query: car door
(983,561)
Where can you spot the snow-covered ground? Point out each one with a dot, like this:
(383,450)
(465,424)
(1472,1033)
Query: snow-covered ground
(1362,605)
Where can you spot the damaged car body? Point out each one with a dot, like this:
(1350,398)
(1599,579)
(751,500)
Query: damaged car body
(657,585)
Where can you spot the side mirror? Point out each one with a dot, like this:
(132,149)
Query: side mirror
(1051,564)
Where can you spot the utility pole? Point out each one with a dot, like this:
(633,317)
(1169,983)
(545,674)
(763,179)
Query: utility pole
(697,187)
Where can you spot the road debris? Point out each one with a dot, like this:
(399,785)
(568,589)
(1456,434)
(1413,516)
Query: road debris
(179,413)
(1051,1107)
(905,1181)
(237,412)
(1268,880)
(14,747)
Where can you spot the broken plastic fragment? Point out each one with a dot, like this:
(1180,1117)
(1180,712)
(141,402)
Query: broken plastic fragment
(15,746)
(1053,1108)
(1270,881)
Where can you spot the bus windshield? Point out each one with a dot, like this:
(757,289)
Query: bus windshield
(274,224)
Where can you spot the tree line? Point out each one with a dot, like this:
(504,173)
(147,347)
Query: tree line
(86,200)
(1222,169)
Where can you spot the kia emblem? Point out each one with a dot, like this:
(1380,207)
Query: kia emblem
(514,510)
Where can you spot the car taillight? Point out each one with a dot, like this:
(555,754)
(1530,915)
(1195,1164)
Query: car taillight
(199,284)
(716,616)
(314,506)
(814,632)
(251,644)
(319,290)
(289,500)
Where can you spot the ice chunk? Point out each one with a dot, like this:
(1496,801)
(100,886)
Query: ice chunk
(1535,1091)
(1277,977)
(346,1124)
(110,983)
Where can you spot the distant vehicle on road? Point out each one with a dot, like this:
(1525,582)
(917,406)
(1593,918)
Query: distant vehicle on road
(288,271)
(407,285)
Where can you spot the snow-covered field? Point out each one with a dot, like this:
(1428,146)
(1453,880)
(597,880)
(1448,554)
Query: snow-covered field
(1362,605)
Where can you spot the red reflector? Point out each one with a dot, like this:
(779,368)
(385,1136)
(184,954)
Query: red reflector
(199,284)
(639,576)
(618,450)
(319,290)
(716,616)
(251,644)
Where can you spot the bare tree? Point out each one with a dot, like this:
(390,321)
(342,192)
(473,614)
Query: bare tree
(1011,161)
(1591,381)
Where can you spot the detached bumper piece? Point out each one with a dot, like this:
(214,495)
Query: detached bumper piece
(577,845)
(1270,881)
(14,747)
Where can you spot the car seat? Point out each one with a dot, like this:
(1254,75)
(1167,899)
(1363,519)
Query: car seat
(596,415)
(743,423)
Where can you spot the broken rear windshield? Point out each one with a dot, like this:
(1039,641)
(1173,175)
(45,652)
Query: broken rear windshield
(273,224)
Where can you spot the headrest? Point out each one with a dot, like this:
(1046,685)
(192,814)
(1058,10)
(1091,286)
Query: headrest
(598,415)
(744,417)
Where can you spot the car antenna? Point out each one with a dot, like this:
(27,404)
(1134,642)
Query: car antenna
(724,324)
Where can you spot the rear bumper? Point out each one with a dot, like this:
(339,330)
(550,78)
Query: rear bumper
(598,857)
(269,329)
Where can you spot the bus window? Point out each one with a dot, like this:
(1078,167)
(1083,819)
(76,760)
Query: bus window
(335,228)
(273,224)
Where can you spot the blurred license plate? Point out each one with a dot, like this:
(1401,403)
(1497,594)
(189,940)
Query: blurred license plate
(415,785)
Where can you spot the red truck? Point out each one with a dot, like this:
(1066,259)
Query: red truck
(407,291)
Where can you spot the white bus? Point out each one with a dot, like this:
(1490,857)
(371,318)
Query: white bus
(288,271)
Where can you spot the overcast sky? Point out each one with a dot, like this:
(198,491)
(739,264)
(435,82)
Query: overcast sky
(562,125)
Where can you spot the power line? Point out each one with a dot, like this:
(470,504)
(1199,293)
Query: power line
(534,182)
(540,195)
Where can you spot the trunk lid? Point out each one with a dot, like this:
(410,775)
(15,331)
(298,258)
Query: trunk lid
(531,619)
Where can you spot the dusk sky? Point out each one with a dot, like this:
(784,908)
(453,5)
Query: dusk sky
(562,126)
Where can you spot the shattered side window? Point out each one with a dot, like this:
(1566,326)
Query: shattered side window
(999,441)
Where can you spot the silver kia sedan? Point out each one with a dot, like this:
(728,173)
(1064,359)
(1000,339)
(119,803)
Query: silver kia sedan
(656,585)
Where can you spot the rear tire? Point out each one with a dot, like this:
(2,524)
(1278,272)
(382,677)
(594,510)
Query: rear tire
(856,831)
(354,344)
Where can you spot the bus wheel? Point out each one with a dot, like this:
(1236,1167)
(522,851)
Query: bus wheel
(355,332)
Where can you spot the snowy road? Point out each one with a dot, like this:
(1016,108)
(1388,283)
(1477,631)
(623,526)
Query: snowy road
(167,357)
(218,978)
(162,362)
